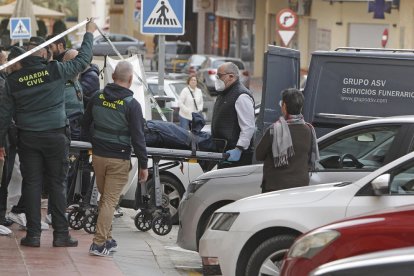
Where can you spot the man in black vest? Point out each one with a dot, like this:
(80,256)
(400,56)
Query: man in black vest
(34,96)
(118,124)
(233,116)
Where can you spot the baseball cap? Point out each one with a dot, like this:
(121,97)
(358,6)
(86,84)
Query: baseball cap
(36,41)
(14,52)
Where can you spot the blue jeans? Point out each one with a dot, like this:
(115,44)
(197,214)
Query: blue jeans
(44,159)
(184,123)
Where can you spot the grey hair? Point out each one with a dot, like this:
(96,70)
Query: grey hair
(232,69)
(123,71)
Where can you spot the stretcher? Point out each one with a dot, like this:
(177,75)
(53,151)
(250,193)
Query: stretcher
(153,214)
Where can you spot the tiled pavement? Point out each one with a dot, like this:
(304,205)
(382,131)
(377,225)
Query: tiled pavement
(139,254)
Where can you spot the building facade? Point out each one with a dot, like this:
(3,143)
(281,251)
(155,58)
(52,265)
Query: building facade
(244,28)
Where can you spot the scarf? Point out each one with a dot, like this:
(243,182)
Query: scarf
(282,147)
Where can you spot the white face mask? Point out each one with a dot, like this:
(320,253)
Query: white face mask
(219,85)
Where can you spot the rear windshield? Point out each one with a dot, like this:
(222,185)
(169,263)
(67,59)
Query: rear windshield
(154,90)
(217,63)
(178,49)
(197,59)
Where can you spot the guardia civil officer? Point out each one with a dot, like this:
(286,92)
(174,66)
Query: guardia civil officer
(35,95)
(118,125)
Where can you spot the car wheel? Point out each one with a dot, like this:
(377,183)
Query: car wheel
(267,258)
(173,193)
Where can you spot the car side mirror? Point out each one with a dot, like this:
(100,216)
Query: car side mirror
(380,184)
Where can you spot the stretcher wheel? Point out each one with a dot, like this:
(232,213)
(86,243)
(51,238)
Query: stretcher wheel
(89,224)
(162,224)
(143,221)
(76,217)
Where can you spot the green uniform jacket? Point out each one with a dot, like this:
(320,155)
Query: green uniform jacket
(34,95)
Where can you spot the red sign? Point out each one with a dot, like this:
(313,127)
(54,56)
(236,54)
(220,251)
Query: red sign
(287,19)
(384,38)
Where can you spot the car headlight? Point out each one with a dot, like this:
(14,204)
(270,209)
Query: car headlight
(312,243)
(223,221)
(194,186)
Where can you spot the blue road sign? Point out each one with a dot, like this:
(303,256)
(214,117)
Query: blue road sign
(163,17)
(20,28)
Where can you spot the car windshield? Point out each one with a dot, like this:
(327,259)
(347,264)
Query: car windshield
(178,49)
(217,63)
(154,90)
(178,87)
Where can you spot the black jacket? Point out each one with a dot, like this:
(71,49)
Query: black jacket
(89,80)
(113,92)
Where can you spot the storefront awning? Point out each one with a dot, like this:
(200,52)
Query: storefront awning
(7,11)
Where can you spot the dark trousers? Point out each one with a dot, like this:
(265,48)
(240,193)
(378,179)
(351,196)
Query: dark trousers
(7,174)
(44,159)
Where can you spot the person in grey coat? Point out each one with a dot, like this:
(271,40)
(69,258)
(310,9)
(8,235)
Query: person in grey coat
(288,147)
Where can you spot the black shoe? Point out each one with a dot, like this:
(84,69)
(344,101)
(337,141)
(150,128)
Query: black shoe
(30,241)
(6,222)
(67,241)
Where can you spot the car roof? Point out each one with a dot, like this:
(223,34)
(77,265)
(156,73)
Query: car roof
(225,58)
(178,42)
(385,120)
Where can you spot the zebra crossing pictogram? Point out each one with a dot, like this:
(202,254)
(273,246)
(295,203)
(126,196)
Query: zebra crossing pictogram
(163,15)
(20,28)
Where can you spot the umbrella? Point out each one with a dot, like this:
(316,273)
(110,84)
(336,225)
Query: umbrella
(24,8)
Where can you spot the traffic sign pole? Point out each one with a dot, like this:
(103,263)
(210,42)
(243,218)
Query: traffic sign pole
(161,62)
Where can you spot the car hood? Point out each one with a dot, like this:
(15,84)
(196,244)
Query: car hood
(232,172)
(295,197)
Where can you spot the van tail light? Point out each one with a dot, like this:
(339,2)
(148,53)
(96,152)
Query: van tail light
(246,73)
(211,72)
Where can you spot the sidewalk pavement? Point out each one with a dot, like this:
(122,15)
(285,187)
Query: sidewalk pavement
(138,254)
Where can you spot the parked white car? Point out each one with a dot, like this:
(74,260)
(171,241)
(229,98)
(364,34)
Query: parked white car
(347,154)
(173,85)
(251,236)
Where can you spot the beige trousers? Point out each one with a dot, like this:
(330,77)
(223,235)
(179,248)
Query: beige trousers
(111,177)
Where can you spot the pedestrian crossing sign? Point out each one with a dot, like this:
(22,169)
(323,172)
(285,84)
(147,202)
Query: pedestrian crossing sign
(163,17)
(20,28)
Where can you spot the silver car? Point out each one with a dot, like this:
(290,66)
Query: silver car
(177,54)
(347,154)
(123,43)
(208,71)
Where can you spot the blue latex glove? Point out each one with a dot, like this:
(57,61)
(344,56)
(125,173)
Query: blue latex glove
(234,155)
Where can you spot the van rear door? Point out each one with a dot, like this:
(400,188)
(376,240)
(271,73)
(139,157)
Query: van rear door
(281,71)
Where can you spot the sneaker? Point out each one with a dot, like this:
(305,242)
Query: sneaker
(48,219)
(118,212)
(96,250)
(44,225)
(4,230)
(6,222)
(18,218)
(111,245)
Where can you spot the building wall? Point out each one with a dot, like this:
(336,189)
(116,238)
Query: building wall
(332,19)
